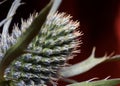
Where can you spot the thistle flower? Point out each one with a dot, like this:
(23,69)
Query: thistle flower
(49,51)
(37,52)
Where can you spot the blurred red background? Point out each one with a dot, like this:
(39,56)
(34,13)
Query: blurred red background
(100,23)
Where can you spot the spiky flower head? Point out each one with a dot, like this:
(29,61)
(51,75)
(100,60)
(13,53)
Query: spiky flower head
(49,51)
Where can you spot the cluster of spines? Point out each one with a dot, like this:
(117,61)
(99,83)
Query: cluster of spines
(47,53)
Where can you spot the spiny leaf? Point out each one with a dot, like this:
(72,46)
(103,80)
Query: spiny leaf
(11,12)
(110,82)
(113,58)
(4,21)
(82,66)
(22,43)
(87,64)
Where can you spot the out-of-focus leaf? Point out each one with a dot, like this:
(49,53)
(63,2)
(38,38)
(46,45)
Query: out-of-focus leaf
(3,1)
(22,43)
(110,82)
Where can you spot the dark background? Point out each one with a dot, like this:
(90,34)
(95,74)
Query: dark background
(99,21)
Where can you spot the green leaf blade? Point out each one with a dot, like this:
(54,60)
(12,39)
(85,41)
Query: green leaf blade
(83,66)
(110,82)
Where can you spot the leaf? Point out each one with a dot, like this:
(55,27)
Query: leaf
(83,66)
(2,2)
(87,64)
(10,14)
(110,82)
(4,21)
(113,58)
(55,6)
(23,41)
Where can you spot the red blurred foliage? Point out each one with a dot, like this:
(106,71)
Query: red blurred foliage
(117,26)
